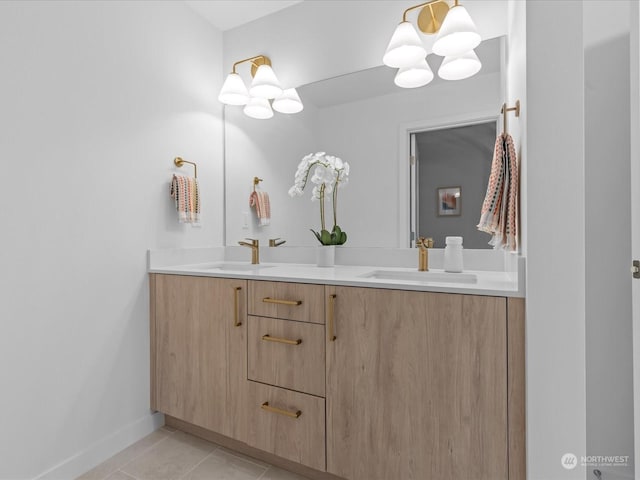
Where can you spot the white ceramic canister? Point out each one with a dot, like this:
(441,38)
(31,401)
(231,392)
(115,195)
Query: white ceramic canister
(453,254)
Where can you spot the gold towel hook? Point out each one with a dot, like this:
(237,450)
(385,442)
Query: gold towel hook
(256,181)
(504,114)
(179,162)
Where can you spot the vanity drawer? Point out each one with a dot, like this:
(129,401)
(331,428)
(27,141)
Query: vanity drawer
(288,424)
(276,357)
(292,301)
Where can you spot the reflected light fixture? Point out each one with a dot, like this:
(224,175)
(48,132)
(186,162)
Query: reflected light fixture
(462,66)
(417,75)
(264,87)
(456,39)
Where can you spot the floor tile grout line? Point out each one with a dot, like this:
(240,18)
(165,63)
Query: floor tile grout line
(127,474)
(140,454)
(264,473)
(200,462)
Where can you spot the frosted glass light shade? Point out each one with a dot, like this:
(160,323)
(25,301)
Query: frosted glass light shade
(288,102)
(458,68)
(405,47)
(258,108)
(234,91)
(417,75)
(265,84)
(457,35)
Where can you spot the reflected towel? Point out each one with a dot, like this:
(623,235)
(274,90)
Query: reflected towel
(500,209)
(185,192)
(260,200)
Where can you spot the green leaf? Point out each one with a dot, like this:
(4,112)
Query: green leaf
(337,231)
(317,235)
(343,238)
(325,237)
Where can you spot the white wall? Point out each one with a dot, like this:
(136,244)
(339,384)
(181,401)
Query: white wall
(609,356)
(97,99)
(555,208)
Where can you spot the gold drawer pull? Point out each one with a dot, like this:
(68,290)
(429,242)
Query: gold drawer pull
(236,302)
(293,303)
(330,330)
(265,406)
(269,338)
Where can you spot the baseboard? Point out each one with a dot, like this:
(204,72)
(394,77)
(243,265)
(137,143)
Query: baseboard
(104,448)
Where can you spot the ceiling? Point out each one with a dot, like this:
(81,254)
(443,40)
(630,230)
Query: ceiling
(228,14)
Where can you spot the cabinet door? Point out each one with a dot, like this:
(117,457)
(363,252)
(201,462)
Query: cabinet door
(200,356)
(416,385)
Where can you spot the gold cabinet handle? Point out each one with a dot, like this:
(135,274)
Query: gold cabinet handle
(279,411)
(236,302)
(332,301)
(293,303)
(269,338)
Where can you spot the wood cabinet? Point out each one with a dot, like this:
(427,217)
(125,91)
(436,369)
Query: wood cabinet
(384,384)
(287,354)
(416,385)
(292,301)
(199,355)
(288,424)
(286,369)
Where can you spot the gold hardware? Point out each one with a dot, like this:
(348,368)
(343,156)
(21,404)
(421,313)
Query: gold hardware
(273,242)
(504,114)
(635,269)
(179,162)
(236,299)
(296,414)
(256,181)
(332,299)
(293,303)
(423,244)
(269,338)
(255,249)
(255,63)
(431,16)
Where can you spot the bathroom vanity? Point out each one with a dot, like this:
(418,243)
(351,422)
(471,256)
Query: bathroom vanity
(338,375)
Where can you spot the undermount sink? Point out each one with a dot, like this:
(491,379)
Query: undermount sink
(416,276)
(235,267)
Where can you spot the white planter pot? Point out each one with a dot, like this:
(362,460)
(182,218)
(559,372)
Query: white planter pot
(326,255)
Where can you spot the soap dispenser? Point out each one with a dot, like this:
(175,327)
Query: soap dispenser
(453,254)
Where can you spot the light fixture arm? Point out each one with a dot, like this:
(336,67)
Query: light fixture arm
(255,62)
(429,4)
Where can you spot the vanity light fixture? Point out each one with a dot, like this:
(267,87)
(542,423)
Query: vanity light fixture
(456,39)
(264,87)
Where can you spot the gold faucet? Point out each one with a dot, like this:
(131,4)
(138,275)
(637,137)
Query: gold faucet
(255,250)
(423,245)
(273,242)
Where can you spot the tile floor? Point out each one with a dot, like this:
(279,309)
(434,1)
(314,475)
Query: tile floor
(168,454)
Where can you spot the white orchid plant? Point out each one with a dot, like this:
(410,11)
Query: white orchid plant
(329,173)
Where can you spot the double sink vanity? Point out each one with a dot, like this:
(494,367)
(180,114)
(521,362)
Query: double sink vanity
(355,372)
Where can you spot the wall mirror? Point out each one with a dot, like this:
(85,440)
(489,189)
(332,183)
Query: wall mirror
(365,119)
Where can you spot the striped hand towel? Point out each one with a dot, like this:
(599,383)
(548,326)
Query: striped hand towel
(260,200)
(500,209)
(185,192)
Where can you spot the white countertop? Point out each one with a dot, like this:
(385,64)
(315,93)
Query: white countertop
(492,283)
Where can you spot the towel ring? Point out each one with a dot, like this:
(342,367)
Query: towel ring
(256,181)
(179,162)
